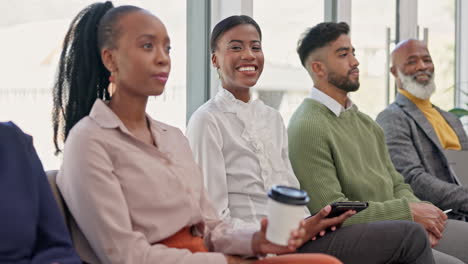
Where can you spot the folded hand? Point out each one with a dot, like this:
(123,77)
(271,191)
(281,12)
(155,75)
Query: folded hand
(432,239)
(431,217)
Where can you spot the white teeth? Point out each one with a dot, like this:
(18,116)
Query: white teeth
(249,68)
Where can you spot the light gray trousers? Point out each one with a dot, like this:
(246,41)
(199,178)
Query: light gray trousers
(453,247)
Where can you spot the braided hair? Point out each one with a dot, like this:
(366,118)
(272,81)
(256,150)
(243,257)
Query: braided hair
(82,77)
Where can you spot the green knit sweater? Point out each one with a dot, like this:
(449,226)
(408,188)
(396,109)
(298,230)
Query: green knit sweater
(345,158)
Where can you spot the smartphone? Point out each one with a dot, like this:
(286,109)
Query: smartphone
(339,208)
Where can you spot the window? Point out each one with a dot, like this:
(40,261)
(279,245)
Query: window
(370,41)
(170,107)
(439,18)
(284,82)
(32,33)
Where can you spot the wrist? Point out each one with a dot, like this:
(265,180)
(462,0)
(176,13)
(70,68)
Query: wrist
(256,243)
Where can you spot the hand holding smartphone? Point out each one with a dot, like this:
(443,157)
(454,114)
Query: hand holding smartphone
(339,208)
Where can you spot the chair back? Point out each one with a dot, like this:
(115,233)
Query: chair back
(80,242)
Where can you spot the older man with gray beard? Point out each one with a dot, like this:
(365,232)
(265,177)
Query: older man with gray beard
(417,133)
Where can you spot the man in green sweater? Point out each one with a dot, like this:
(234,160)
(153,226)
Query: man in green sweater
(339,154)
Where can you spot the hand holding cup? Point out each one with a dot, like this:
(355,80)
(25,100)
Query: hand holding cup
(285,211)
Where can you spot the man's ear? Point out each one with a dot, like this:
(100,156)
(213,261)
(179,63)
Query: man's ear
(214,61)
(394,71)
(318,68)
(108,59)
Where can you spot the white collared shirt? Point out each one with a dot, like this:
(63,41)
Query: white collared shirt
(329,102)
(242,149)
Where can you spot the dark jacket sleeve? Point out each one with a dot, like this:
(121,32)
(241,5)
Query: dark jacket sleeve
(53,244)
(53,240)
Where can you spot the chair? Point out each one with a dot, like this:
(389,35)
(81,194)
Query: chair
(80,242)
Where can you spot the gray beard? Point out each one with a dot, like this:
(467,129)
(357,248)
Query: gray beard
(420,91)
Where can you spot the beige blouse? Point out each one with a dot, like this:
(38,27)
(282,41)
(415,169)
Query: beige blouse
(126,195)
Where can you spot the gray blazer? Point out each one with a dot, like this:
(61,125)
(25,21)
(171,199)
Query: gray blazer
(418,155)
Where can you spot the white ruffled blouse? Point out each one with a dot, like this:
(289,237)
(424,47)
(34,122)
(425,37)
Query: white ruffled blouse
(242,149)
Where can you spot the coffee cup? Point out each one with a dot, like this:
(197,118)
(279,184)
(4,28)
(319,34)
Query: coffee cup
(285,210)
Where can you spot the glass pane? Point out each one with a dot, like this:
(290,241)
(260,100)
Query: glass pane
(284,81)
(439,18)
(170,107)
(369,40)
(32,32)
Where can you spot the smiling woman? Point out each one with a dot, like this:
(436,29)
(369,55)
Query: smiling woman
(237,55)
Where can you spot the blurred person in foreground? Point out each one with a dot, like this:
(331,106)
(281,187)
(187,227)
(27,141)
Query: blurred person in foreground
(32,230)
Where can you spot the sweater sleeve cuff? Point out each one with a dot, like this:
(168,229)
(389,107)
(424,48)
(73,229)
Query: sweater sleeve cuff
(397,209)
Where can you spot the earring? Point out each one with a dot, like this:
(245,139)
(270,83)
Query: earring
(111,87)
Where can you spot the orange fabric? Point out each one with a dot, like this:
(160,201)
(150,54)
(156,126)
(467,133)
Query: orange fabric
(185,240)
(300,259)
